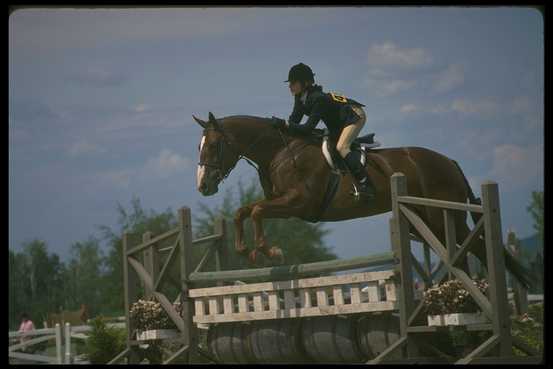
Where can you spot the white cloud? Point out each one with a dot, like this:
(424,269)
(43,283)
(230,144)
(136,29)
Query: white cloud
(165,164)
(409,108)
(451,77)
(383,87)
(482,106)
(141,108)
(83,148)
(515,166)
(115,178)
(389,54)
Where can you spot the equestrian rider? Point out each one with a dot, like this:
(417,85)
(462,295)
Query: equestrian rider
(344,118)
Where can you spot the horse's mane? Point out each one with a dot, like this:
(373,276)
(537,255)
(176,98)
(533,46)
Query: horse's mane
(246,117)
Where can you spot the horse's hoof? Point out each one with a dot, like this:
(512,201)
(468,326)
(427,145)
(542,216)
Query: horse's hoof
(252,256)
(276,255)
(241,250)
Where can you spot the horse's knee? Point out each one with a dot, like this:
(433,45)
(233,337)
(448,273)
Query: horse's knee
(241,214)
(256,213)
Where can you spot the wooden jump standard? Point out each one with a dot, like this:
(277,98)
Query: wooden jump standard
(289,296)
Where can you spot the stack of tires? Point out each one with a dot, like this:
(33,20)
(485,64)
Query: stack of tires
(326,339)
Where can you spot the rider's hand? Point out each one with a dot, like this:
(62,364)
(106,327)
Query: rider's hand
(278,123)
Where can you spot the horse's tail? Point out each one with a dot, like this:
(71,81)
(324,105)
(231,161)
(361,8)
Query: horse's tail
(520,272)
(472,198)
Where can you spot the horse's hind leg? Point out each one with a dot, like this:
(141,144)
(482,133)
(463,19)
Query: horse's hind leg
(239,217)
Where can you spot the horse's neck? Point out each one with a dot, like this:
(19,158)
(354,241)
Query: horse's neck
(257,142)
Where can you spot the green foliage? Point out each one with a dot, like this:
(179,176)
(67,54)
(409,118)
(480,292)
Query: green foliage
(529,328)
(104,342)
(536,211)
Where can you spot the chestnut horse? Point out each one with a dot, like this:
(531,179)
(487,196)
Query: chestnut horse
(294,176)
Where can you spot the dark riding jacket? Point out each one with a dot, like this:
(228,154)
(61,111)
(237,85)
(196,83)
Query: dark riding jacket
(334,110)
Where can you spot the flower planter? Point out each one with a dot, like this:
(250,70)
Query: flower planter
(156,334)
(456,319)
(436,320)
(464,318)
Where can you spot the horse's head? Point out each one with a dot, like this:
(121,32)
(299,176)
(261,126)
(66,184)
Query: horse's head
(217,157)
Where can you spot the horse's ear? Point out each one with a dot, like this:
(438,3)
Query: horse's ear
(200,122)
(212,121)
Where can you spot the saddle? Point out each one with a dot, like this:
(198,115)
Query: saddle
(360,145)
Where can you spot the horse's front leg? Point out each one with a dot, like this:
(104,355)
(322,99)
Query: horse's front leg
(239,217)
(285,206)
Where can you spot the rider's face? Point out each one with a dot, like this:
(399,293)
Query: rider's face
(295,87)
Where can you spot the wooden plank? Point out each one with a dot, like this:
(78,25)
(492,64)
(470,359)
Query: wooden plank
(130,293)
(242,304)
(36,332)
(273,301)
(178,353)
(29,342)
(450,236)
(440,204)
(170,310)
(119,356)
(337,295)
(299,312)
(295,271)
(401,244)
(32,357)
(213,305)
(322,297)
(391,290)
(227,305)
(373,291)
(152,241)
(257,302)
(206,239)
(188,332)
(204,259)
(508,360)
(481,350)
(199,307)
(305,298)
(402,341)
(355,294)
(298,283)
(521,345)
(167,265)
(469,241)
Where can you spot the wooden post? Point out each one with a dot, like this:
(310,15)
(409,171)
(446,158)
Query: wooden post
(450,236)
(520,294)
(221,251)
(402,248)
(501,322)
(427,262)
(130,296)
(188,334)
(68,358)
(151,263)
(59,345)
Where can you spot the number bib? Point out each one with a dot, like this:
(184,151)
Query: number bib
(338,98)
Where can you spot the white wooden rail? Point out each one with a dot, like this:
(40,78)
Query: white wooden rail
(333,295)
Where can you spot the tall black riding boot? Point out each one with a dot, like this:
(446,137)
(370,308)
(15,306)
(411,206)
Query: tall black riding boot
(365,187)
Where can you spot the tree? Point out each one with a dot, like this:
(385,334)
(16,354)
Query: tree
(536,210)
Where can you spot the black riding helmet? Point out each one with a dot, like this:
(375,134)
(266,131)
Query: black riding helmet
(301,72)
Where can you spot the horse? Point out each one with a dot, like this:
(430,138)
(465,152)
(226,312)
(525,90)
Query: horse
(294,176)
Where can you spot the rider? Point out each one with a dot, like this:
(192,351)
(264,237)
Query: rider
(344,118)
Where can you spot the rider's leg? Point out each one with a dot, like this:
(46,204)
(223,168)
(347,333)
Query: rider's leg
(349,133)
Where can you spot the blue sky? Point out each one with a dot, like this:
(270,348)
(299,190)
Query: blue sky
(101,102)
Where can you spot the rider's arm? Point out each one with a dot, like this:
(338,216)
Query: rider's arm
(314,117)
(297,113)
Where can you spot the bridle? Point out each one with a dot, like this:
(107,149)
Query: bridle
(220,153)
